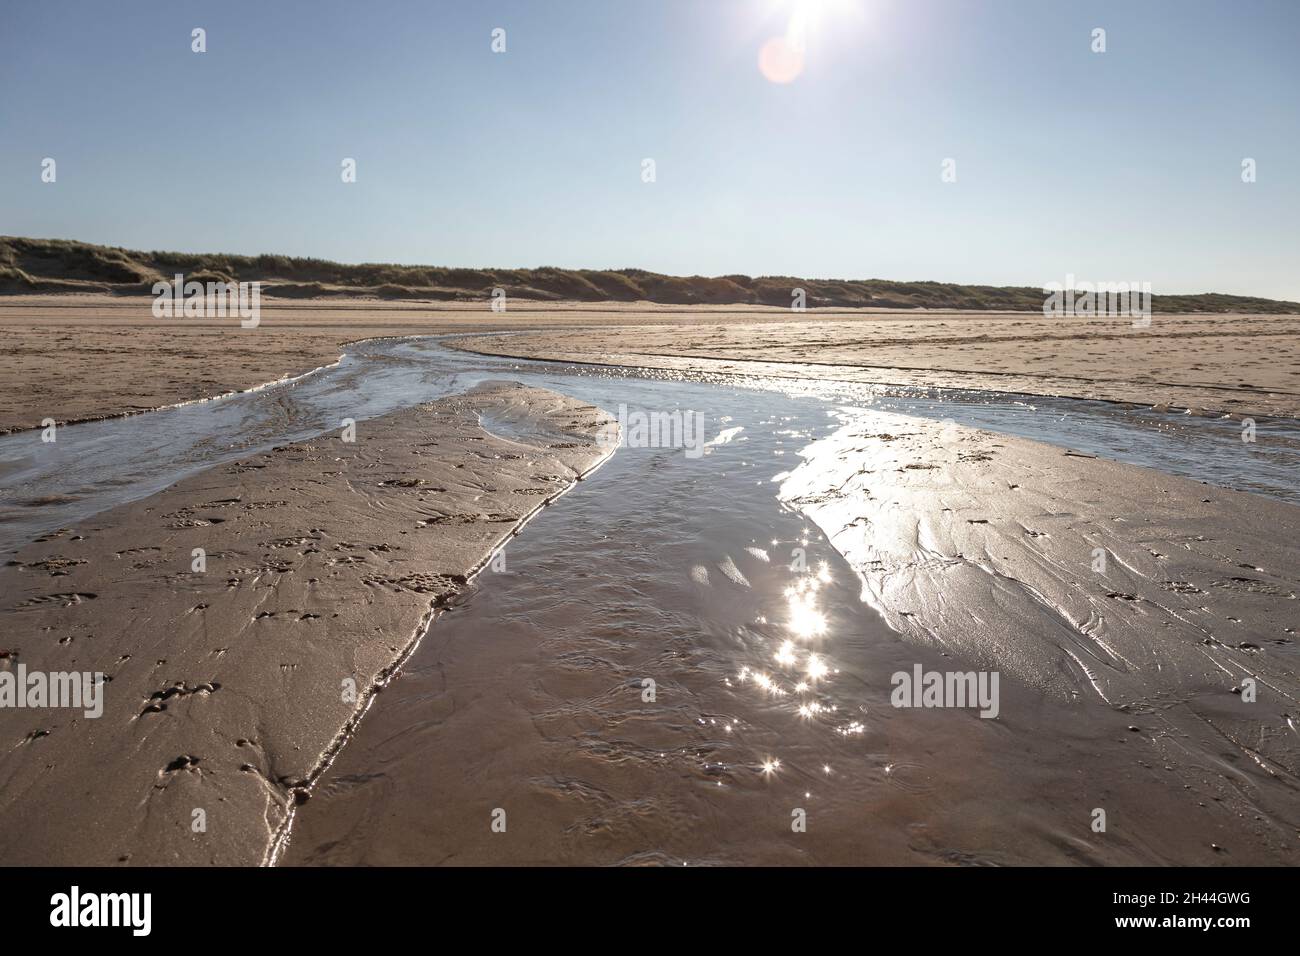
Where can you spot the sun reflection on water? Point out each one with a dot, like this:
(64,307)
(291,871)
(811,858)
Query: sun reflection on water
(799,679)
(806,618)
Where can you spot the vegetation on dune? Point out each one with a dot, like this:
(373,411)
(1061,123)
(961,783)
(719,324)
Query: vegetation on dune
(62,265)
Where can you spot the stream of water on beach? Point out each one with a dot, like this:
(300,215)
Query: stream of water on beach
(770,692)
(97,465)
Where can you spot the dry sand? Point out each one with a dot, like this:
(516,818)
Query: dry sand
(226,689)
(74,358)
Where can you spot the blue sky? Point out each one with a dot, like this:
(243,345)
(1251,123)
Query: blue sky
(1124,165)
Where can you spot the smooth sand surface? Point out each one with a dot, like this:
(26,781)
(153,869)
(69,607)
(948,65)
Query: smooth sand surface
(74,358)
(227,688)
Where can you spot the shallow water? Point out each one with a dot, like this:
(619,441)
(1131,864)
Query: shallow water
(96,465)
(530,695)
(656,677)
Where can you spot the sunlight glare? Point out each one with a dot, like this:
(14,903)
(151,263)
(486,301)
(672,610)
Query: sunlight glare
(781,59)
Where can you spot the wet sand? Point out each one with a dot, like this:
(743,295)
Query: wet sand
(1084,580)
(974,549)
(1242,365)
(972,552)
(77,358)
(80,358)
(227,687)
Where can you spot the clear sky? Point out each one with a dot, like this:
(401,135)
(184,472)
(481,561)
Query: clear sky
(1123,165)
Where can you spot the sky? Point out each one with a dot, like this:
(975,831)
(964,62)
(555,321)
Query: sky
(1123,165)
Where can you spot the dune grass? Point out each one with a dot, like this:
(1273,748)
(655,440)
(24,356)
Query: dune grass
(64,265)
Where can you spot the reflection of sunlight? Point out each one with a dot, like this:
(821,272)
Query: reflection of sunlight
(816,668)
(765,682)
(805,619)
(812,709)
(798,675)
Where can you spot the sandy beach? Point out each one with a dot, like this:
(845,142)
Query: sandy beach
(1088,581)
(1213,364)
(1124,609)
(326,559)
(1120,688)
(228,683)
(1242,365)
(454,452)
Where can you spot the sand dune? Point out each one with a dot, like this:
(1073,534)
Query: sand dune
(67,266)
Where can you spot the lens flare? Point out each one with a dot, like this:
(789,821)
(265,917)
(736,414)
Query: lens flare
(779,61)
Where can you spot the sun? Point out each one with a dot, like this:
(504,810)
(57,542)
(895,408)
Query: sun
(805,17)
(783,57)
